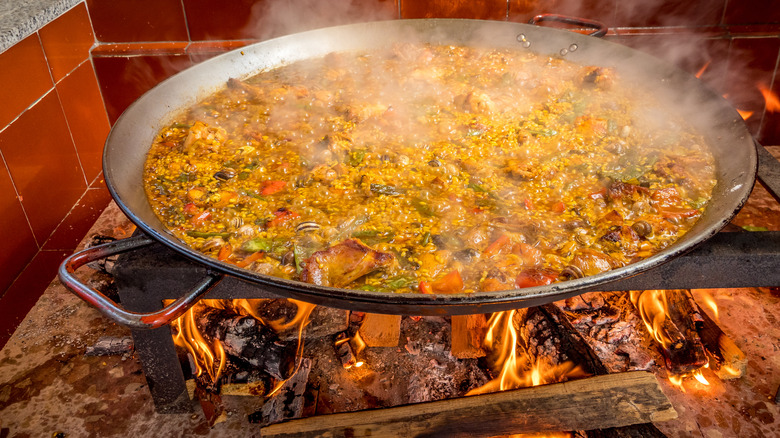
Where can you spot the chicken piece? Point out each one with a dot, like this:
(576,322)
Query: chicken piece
(203,138)
(343,263)
(475,103)
(600,77)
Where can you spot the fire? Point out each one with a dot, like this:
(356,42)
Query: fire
(745,114)
(709,301)
(703,69)
(518,371)
(653,307)
(204,354)
(772,101)
(210,357)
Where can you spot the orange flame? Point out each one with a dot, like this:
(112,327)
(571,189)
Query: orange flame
(772,101)
(653,307)
(205,355)
(745,114)
(709,301)
(703,69)
(518,372)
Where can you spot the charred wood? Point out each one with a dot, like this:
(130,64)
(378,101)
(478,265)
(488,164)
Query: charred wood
(729,361)
(110,346)
(211,402)
(286,403)
(323,321)
(613,400)
(250,341)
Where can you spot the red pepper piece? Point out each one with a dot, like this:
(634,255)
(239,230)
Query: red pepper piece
(425,287)
(535,277)
(450,283)
(271,187)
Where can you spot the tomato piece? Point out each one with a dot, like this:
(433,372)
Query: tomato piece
(425,287)
(271,187)
(529,204)
(199,219)
(191,209)
(535,277)
(666,197)
(450,283)
(497,245)
(224,252)
(677,212)
(559,207)
(282,216)
(249,259)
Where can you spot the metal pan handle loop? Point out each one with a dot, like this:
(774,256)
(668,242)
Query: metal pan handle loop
(111,309)
(600,28)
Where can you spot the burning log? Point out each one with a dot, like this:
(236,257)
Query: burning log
(323,321)
(468,333)
(673,317)
(287,402)
(379,330)
(212,405)
(613,400)
(249,340)
(344,351)
(729,361)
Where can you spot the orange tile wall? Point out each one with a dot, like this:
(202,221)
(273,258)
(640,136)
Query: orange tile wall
(739,40)
(52,127)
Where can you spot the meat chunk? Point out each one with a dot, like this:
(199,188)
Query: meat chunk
(343,263)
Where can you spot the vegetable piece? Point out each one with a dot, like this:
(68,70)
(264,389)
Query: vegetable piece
(496,245)
(450,283)
(257,244)
(202,234)
(250,259)
(356,157)
(282,215)
(559,207)
(191,209)
(199,219)
(422,207)
(535,277)
(425,287)
(383,189)
(754,228)
(224,252)
(426,239)
(271,187)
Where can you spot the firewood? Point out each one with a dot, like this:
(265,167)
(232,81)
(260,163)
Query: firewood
(287,403)
(249,341)
(685,351)
(379,330)
(109,346)
(729,361)
(612,400)
(468,335)
(323,321)
(212,405)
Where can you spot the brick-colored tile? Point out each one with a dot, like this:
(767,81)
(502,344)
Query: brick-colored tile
(751,62)
(137,20)
(200,51)
(599,10)
(15,233)
(226,20)
(67,40)
(124,79)
(25,77)
(44,167)
(86,116)
(689,51)
(638,13)
(18,299)
(79,220)
(479,9)
(752,12)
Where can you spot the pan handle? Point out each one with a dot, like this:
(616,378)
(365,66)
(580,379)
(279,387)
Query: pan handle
(600,28)
(113,310)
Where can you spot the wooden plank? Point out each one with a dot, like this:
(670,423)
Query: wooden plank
(379,330)
(611,400)
(730,361)
(468,334)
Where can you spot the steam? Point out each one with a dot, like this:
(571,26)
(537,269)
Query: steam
(280,17)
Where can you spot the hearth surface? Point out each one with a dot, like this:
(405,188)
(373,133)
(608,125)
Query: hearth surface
(49,386)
